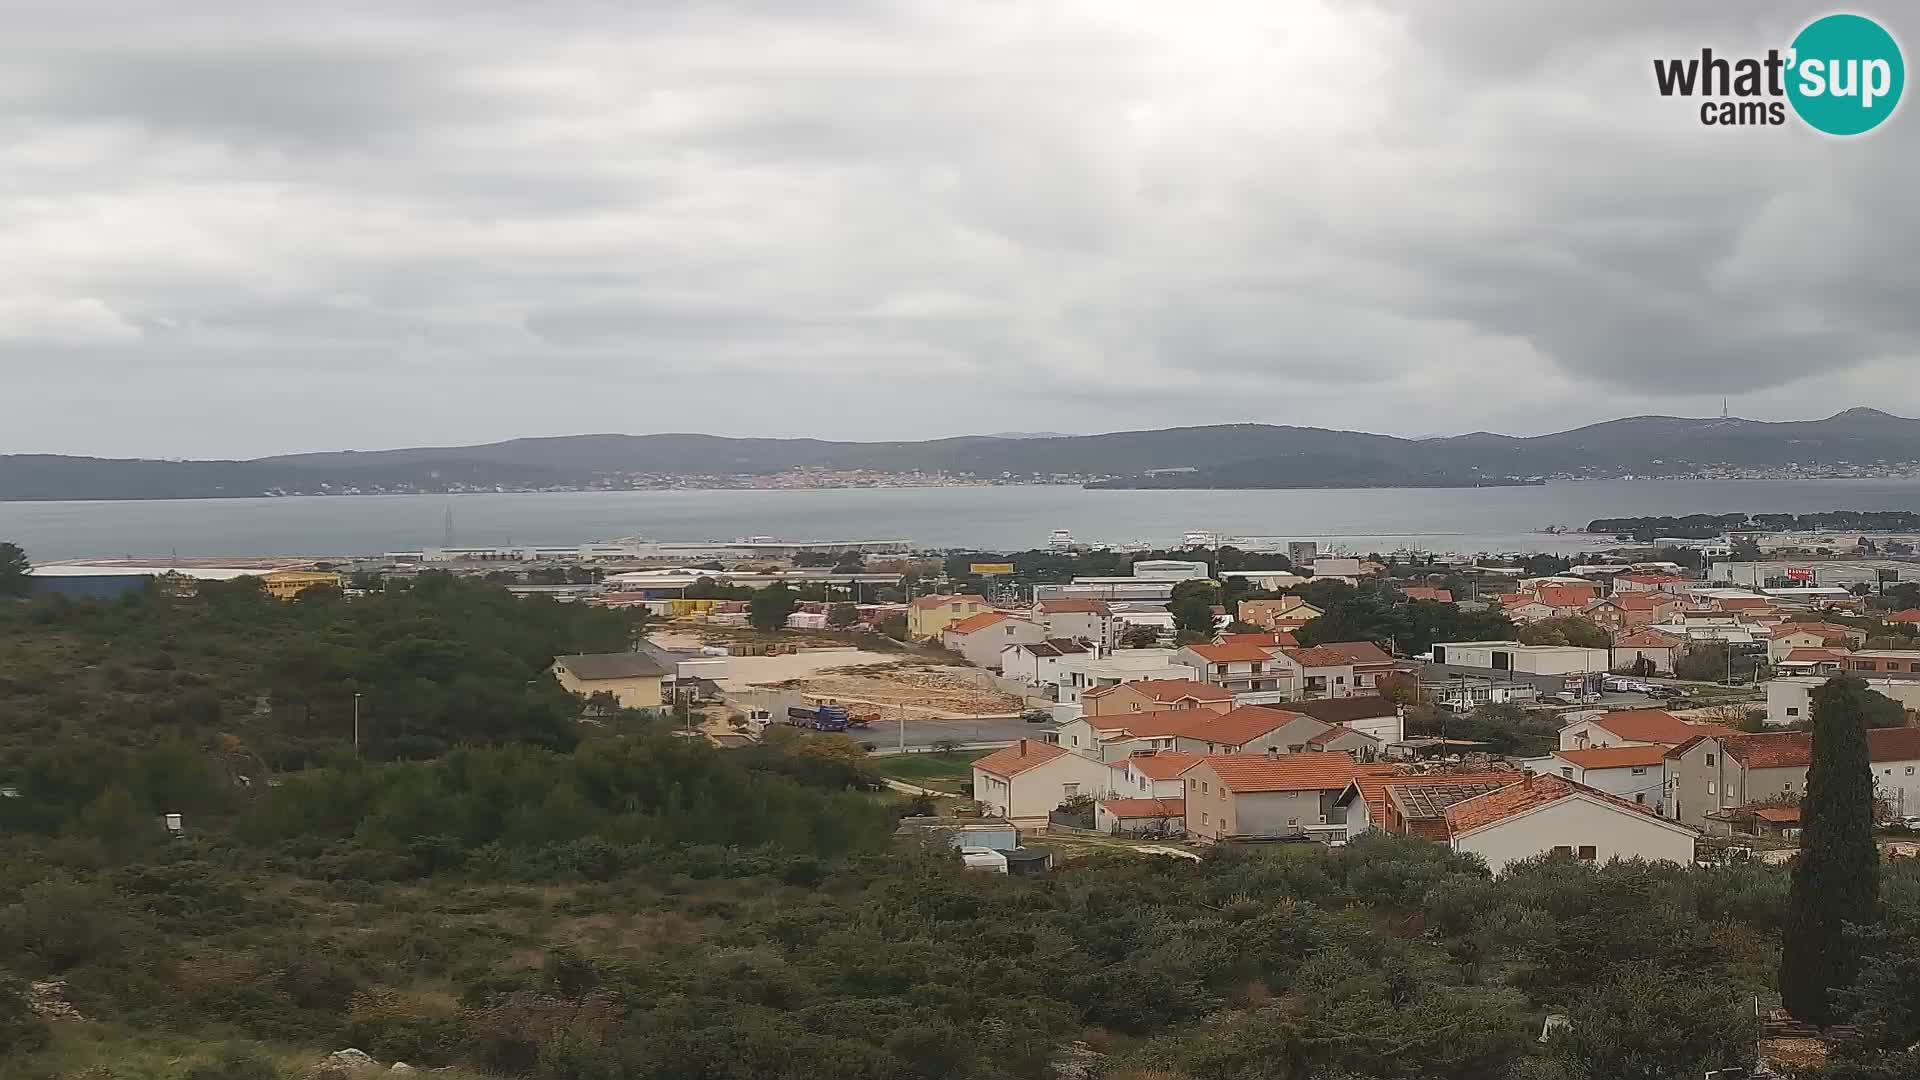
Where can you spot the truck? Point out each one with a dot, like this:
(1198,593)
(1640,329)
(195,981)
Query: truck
(818,717)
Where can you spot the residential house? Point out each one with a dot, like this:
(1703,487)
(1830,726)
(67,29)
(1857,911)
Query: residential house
(1237,668)
(1151,774)
(1249,729)
(1160,817)
(1266,639)
(1266,795)
(1786,637)
(1038,663)
(1635,773)
(1392,800)
(1790,697)
(1884,662)
(1712,774)
(1907,616)
(1078,620)
(1812,662)
(1288,613)
(980,638)
(1567,596)
(1362,746)
(1337,669)
(1370,714)
(1655,647)
(632,678)
(1525,608)
(1547,813)
(1633,727)
(1781,822)
(1095,669)
(1625,612)
(929,616)
(1423,592)
(1154,695)
(1028,780)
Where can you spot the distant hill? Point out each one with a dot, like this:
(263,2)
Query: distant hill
(1220,456)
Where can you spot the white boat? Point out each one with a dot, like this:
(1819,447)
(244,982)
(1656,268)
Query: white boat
(1060,540)
(1200,538)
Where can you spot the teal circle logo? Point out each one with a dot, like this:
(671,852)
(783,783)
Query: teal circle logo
(1846,74)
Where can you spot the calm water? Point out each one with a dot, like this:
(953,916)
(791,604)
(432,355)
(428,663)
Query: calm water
(1467,520)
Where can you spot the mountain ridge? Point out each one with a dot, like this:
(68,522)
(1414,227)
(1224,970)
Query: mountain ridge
(1240,455)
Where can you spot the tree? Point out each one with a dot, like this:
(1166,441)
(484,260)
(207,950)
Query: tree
(842,615)
(13,570)
(1653,1022)
(1192,607)
(1139,637)
(768,608)
(1836,880)
(1566,630)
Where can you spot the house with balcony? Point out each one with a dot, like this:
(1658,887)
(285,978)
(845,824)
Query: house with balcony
(1237,668)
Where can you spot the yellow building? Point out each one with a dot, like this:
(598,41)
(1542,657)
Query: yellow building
(632,678)
(287,584)
(929,616)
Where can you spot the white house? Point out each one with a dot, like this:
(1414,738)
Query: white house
(1090,671)
(1790,697)
(1077,620)
(1634,773)
(1151,774)
(980,638)
(1632,727)
(1159,816)
(1546,813)
(1037,663)
(1028,780)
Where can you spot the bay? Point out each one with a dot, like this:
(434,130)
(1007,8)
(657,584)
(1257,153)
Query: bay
(994,518)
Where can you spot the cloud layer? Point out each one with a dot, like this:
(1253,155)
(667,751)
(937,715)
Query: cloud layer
(229,231)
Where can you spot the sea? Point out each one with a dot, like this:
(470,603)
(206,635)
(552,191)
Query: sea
(1010,518)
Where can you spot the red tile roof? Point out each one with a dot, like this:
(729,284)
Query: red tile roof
(1894,744)
(1827,631)
(1799,654)
(1741,602)
(1910,615)
(1229,654)
(1652,579)
(973,623)
(1655,726)
(1777,814)
(1614,757)
(1373,782)
(1561,596)
(1168,690)
(1244,724)
(1160,764)
(1013,760)
(1794,749)
(1646,639)
(1339,654)
(1539,789)
(1422,592)
(1145,808)
(1636,601)
(1067,607)
(1245,774)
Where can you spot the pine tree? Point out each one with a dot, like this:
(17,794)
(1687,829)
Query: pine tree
(1836,879)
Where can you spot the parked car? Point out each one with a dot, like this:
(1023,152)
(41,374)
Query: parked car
(1036,716)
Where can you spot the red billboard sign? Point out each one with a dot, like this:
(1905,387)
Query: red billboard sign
(1799,573)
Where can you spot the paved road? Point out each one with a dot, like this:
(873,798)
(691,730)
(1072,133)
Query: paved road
(970,734)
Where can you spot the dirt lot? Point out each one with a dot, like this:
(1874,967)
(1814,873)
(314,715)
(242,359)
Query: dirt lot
(915,689)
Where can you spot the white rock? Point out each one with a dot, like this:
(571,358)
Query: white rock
(349,1059)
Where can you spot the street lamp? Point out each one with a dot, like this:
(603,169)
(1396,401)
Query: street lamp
(356,723)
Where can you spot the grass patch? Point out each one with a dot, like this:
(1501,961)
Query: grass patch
(943,772)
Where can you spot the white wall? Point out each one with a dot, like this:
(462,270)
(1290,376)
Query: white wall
(1039,790)
(1898,782)
(1644,787)
(1790,699)
(982,647)
(1574,821)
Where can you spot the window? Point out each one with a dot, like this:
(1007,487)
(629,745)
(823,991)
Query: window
(1293,823)
(1710,790)
(1793,710)
(1567,771)
(1562,849)
(1192,785)
(1069,790)
(1223,794)
(1637,770)
(1709,761)
(1909,770)
(1203,817)
(1640,797)
(1203,787)
(1587,853)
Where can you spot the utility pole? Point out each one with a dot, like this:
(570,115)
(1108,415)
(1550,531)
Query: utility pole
(903,731)
(356,723)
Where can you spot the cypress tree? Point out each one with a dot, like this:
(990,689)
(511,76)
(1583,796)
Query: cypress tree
(1836,879)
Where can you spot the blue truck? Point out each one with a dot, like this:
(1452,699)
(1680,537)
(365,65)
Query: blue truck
(819,717)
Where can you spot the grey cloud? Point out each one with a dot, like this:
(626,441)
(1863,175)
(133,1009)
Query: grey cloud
(1058,217)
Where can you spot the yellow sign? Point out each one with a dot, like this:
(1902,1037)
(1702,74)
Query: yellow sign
(990,569)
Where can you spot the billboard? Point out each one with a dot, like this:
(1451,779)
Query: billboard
(1799,573)
(990,569)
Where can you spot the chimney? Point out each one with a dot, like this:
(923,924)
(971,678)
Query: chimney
(1023,748)
(1273,752)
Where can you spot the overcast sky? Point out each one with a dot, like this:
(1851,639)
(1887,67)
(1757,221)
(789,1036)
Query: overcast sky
(232,228)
